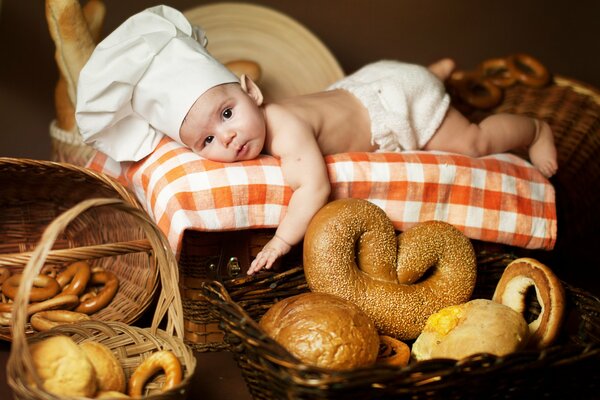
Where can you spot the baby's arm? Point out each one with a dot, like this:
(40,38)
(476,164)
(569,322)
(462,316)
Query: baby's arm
(305,171)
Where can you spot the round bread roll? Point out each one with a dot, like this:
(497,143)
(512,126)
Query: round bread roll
(63,367)
(323,330)
(478,326)
(109,372)
(111,394)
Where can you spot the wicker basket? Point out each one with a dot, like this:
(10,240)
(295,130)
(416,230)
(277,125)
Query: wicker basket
(68,146)
(130,345)
(567,369)
(35,192)
(572,109)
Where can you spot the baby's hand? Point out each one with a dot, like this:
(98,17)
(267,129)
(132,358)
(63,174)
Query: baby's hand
(276,248)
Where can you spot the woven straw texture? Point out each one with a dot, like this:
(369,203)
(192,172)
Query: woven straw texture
(35,192)
(68,146)
(566,368)
(130,345)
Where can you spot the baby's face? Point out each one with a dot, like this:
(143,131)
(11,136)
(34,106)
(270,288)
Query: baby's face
(225,124)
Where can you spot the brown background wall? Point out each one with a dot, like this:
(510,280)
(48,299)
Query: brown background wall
(563,34)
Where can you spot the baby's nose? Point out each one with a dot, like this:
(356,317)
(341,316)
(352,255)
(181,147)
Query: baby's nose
(228,137)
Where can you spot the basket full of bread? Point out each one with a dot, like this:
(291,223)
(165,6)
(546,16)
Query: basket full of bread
(415,315)
(76,356)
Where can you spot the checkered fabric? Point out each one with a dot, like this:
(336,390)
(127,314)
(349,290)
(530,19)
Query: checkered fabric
(499,198)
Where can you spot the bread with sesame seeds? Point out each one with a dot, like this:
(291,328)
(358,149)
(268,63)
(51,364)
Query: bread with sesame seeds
(351,250)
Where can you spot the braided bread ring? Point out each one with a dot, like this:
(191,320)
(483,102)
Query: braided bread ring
(520,275)
(379,277)
(161,360)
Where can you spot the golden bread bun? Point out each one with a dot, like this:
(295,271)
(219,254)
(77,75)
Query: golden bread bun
(323,330)
(478,326)
(109,372)
(111,394)
(63,367)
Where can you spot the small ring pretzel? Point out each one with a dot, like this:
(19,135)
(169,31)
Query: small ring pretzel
(528,70)
(63,301)
(161,360)
(496,71)
(518,276)
(393,351)
(474,90)
(4,275)
(46,320)
(104,296)
(74,278)
(44,287)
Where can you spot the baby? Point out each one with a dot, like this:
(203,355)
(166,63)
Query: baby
(385,106)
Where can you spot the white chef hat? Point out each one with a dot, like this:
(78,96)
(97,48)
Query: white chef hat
(141,81)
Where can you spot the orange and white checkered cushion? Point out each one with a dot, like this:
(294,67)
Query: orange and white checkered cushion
(499,198)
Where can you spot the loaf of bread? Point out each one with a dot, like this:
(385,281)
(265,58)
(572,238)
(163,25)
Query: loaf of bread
(478,326)
(323,330)
(109,372)
(63,367)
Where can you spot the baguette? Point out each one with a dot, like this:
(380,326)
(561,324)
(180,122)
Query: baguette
(94,13)
(73,40)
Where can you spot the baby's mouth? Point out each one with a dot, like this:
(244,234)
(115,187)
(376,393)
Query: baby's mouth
(241,150)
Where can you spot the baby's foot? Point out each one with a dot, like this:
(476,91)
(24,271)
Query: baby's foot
(542,151)
(443,68)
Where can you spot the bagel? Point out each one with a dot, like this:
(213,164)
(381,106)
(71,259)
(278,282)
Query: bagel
(520,275)
(44,287)
(351,250)
(162,360)
(393,352)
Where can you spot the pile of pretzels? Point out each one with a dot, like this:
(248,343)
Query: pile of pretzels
(59,297)
(482,88)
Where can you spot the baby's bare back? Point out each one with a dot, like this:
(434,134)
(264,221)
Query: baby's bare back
(338,119)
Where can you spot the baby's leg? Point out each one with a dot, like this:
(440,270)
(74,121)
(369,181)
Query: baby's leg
(497,133)
(442,68)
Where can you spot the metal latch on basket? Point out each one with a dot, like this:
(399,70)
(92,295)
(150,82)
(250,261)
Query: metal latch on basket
(233,267)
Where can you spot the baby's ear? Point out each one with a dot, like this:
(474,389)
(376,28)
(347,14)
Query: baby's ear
(251,89)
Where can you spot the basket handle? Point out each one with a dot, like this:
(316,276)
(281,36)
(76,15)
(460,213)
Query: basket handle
(169,302)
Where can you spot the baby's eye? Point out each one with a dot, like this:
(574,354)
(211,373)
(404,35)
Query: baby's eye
(208,140)
(227,113)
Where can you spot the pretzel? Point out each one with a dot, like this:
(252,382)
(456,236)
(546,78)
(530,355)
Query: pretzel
(161,360)
(4,275)
(497,72)
(518,276)
(64,301)
(46,320)
(474,90)
(75,278)
(528,70)
(44,287)
(110,284)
